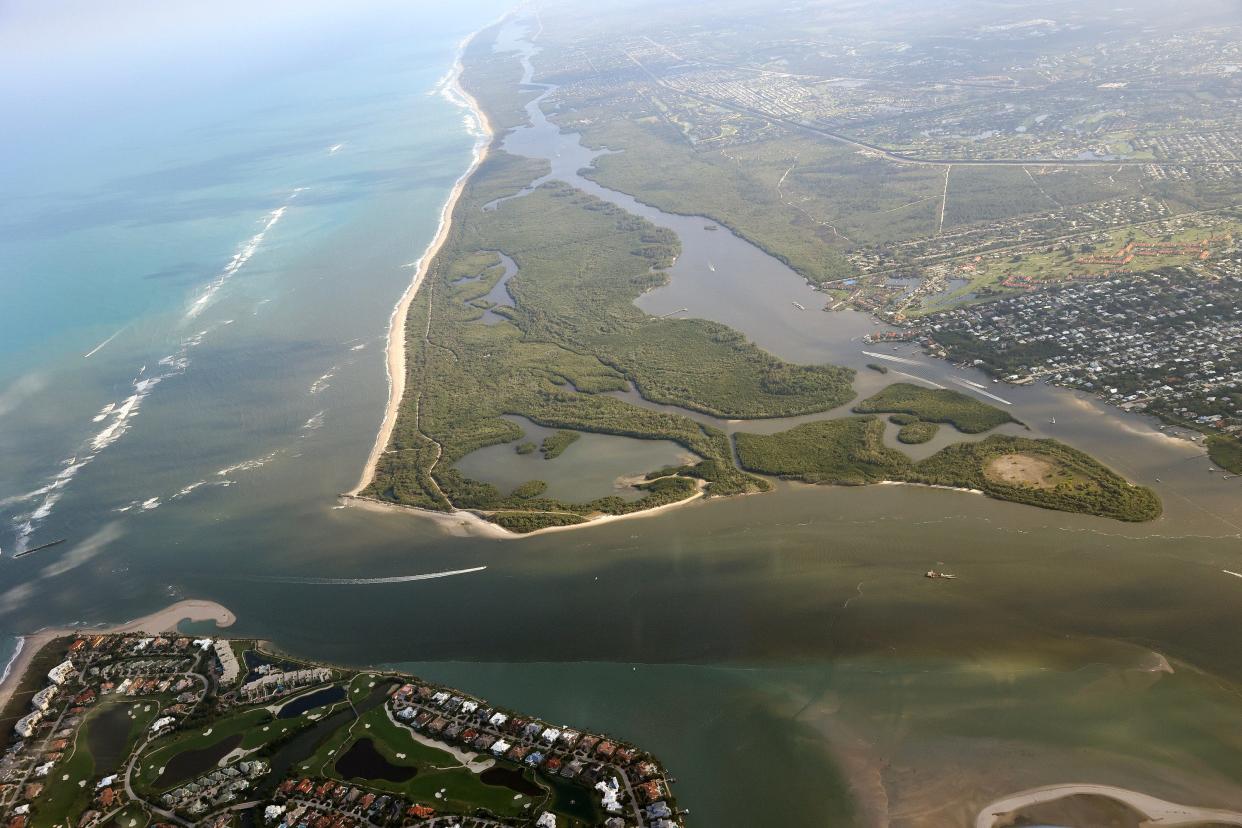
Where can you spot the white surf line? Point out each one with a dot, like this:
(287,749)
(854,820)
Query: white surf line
(970,385)
(1231,572)
(902,360)
(101,345)
(395,579)
(243,255)
(935,385)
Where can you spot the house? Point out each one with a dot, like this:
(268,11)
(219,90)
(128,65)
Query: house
(651,791)
(27,724)
(62,672)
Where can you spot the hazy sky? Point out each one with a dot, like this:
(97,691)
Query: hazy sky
(49,46)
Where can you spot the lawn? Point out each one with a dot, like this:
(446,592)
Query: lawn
(70,786)
(460,789)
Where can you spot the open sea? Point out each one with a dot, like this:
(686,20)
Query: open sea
(202,239)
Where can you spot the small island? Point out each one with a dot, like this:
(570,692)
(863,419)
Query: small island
(851,451)
(136,729)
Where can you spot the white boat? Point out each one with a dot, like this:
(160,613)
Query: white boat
(798,306)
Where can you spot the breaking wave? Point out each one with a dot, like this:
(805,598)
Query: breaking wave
(243,255)
(118,417)
(249,465)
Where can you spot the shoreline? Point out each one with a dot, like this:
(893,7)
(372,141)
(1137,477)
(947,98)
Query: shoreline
(396,346)
(1158,811)
(164,620)
(465,522)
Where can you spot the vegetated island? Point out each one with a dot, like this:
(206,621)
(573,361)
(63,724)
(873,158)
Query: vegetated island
(1225,451)
(573,335)
(851,451)
(142,728)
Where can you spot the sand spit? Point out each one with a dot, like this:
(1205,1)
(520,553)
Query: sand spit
(395,350)
(165,620)
(1157,811)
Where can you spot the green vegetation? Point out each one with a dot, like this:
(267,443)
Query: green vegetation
(525,448)
(848,451)
(554,445)
(1065,479)
(436,769)
(68,790)
(1041,473)
(531,488)
(572,335)
(132,815)
(877,367)
(936,405)
(1225,452)
(917,432)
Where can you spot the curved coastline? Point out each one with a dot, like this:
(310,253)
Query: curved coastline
(164,620)
(1158,811)
(395,350)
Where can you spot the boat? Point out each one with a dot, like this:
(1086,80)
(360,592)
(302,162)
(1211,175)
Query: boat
(34,549)
(798,306)
(938,576)
(1052,420)
(711,227)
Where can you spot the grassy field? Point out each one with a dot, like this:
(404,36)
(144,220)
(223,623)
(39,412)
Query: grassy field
(70,787)
(932,405)
(1044,267)
(437,770)
(131,816)
(256,725)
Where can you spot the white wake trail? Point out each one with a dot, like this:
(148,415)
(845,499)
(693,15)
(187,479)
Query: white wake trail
(101,345)
(395,579)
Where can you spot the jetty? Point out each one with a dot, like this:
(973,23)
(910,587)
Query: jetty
(38,548)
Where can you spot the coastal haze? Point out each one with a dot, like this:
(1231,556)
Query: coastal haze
(211,217)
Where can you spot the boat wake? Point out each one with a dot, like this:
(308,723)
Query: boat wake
(395,579)
(101,345)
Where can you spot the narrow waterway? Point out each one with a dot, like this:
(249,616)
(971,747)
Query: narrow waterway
(722,277)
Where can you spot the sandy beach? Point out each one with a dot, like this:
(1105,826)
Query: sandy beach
(395,349)
(164,620)
(1158,811)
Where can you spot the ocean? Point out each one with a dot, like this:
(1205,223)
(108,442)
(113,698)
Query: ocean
(204,238)
(205,263)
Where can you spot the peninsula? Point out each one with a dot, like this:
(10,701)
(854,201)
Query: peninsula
(522,311)
(140,725)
